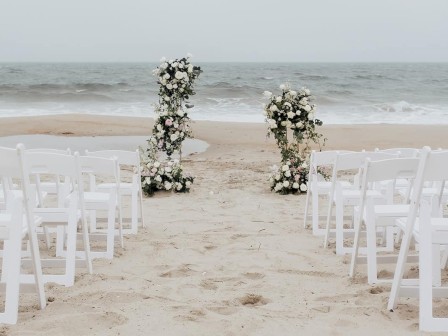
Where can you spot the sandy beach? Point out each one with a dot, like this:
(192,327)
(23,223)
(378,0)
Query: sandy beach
(229,258)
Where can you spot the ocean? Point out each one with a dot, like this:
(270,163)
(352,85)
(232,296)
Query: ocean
(345,93)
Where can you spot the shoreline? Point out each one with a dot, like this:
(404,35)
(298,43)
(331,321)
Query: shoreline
(219,133)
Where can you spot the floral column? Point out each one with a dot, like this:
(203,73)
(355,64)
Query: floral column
(171,127)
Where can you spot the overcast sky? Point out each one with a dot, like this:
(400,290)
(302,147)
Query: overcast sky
(224,30)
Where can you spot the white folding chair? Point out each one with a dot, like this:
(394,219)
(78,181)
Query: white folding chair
(11,167)
(380,216)
(318,186)
(126,159)
(65,215)
(341,197)
(94,200)
(432,168)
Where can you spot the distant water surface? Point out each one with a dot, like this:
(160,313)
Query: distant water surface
(346,93)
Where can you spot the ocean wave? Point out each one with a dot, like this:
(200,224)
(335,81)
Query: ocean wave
(403,106)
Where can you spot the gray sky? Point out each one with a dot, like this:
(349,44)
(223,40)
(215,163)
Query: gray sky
(224,30)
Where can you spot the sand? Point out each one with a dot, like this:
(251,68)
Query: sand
(229,258)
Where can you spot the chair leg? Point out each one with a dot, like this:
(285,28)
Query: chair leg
(307,204)
(399,270)
(355,248)
(141,206)
(11,262)
(315,209)
(340,228)
(37,267)
(327,226)
(372,268)
(134,215)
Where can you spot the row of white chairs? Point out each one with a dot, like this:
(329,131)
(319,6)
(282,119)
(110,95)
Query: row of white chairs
(28,178)
(396,195)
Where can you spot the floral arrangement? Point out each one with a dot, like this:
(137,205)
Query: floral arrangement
(291,114)
(164,175)
(171,127)
(176,79)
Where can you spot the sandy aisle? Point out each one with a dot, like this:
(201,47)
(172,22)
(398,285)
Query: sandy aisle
(232,262)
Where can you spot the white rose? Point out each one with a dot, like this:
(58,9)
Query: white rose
(273,108)
(181,66)
(295,185)
(147,180)
(272,126)
(288,173)
(303,101)
(291,115)
(175,64)
(168,185)
(285,184)
(180,113)
(166,76)
(190,68)
(168,169)
(277,177)
(299,124)
(158,178)
(278,99)
(307,108)
(169,86)
(311,116)
(298,112)
(288,123)
(283,123)
(303,187)
(307,92)
(167,98)
(159,127)
(174,86)
(173,137)
(267,94)
(178,186)
(156,164)
(179,75)
(188,184)
(293,93)
(278,186)
(285,167)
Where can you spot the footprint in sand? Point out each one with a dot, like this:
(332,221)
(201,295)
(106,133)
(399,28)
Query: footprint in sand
(182,271)
(223,310)
(252,300)
(254,276)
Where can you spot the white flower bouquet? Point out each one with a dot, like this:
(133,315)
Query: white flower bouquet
(163,175)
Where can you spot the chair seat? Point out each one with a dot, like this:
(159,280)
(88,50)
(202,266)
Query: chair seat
(391,210)
(439,230)
(93,197)
(54,215)
(124,186)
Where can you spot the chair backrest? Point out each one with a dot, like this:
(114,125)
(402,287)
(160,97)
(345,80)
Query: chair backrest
(433,167)
(129,158)
(99,166)
(390,169)
(351,161)
(402,152)
(50,163)
(50,150)
(12,167)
